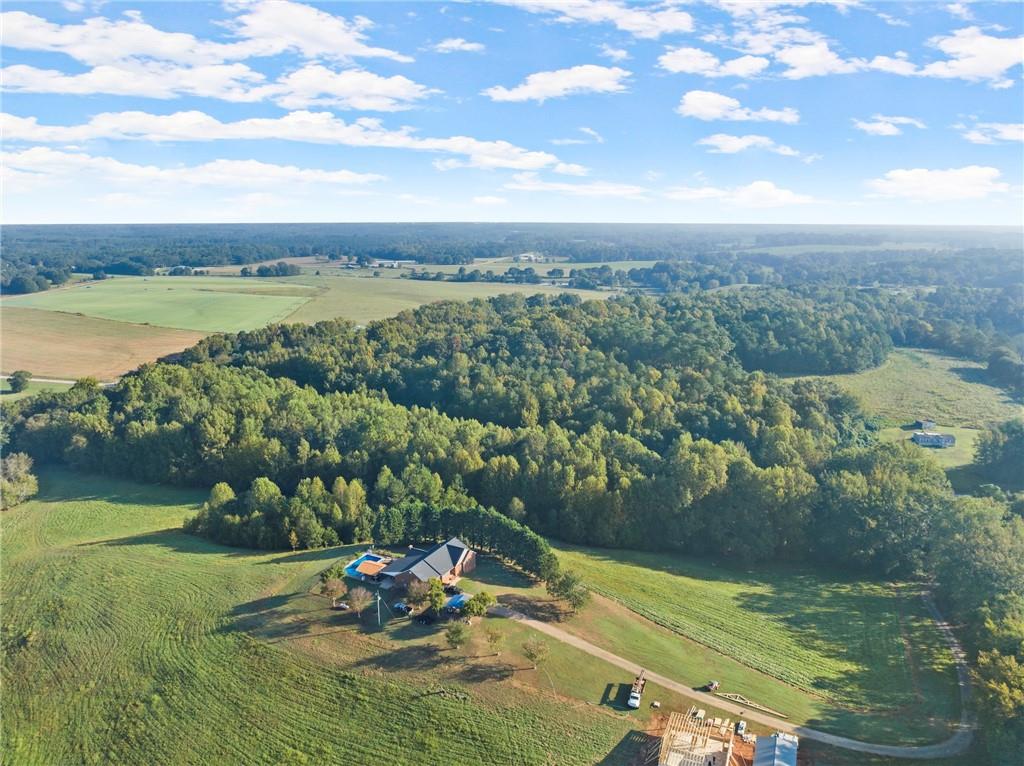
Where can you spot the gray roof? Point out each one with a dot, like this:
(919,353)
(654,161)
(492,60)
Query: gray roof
(433,562)
(777,750)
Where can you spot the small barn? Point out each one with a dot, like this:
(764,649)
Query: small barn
(447,561)
(777,750)
(933,439)
(925,424)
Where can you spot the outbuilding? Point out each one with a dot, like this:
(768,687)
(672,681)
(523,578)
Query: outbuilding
(777,750)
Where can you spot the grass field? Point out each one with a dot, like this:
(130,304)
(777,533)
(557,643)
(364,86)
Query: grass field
(854,657)
(52,344)
(34,387)
(915,383)
(363,299)
(127,641)
(208,304)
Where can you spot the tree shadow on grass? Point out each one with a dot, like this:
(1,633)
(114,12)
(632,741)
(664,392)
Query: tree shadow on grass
(485,672)
(545,610)
(408,658)
(491,571)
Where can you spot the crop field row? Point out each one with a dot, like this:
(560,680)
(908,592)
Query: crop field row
(121,644)
(843,641)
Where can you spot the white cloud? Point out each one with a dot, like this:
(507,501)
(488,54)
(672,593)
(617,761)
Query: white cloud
(45,164)
(489,199)
(315,84)
(592,137)
(227,82)
(882,125)
(759,194)
(271,27)
(640,21)
(310,85)
(992,132)
(615,54)
(303,126)
(892,21)
(697,61)
(458,45)
(540,86)
(708,105)
(723,143)
(976,56)
(960,10)
(971,182)
(533,183)
(814,60)
(262,28)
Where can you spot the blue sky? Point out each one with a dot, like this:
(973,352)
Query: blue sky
(518,110)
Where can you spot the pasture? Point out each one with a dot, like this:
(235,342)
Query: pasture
(855,657)
(127,641)
(51,344)
(915,383)
(365,298)
(206,304)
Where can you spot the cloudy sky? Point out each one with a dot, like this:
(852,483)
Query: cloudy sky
(514,110)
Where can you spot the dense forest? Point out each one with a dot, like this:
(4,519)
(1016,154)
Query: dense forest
(37,256)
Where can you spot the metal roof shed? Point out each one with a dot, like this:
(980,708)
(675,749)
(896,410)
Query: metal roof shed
(777,750)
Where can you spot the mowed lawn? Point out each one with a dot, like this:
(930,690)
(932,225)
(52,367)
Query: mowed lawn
(51,344)
(915,383)
(854,657)
(127,641)
(206,304)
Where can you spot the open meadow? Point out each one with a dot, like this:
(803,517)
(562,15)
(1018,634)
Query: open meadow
(126,640)
(59,345)
(849,656)
(918,383)
(207,304)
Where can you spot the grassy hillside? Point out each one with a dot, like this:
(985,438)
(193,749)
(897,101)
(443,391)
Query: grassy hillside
(34,387)
(57,345)
(208,304)
(915,383)
(127,641)
(849,654)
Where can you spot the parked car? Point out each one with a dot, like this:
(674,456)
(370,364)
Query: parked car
(401,606)
(452,590)
(425,619)
(741,727)
(341,606)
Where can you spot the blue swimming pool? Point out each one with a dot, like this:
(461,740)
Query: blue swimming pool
(457,602)
(350,569)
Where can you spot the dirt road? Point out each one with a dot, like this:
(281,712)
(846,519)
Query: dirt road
(955,745)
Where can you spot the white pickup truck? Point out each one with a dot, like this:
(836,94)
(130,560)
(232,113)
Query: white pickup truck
(637,689)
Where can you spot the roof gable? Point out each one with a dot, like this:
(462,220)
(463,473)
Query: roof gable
(433,562)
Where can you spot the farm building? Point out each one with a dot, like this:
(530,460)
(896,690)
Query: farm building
(933,439)
(447,561)
(777,750)
(924,424)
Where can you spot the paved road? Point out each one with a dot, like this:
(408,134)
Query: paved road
(955,745)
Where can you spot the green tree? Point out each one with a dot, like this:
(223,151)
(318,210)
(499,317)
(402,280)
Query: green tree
(570,587)
(536,650)
(18,381)
(456,634)
(17,482)
(436,597)
(478,605)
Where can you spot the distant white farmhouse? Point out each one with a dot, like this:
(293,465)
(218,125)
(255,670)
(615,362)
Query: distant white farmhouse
(933,439)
